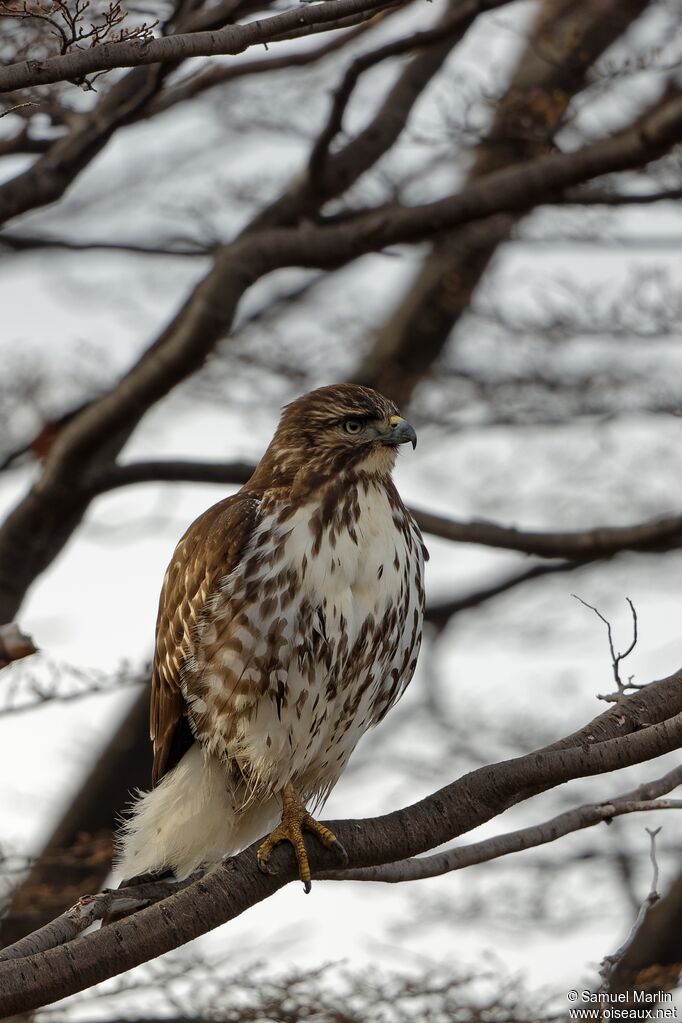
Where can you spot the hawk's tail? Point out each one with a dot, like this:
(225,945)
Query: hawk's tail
(189,820)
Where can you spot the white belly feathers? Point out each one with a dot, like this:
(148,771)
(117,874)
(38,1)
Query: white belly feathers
(308,643)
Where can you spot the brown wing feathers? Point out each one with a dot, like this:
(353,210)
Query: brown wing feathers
(209,550)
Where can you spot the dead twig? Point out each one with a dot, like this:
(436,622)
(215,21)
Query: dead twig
(616,658)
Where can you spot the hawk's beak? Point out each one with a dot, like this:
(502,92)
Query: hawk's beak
(399,432)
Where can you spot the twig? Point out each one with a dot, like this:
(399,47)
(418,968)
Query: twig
(610,962)
(458,24)
(622,687)
(17,106)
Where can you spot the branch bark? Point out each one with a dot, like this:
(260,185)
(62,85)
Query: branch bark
(643,799)
(234,886)
(232,39)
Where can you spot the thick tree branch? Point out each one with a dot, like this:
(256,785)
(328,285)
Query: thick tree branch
(91,908)
(581,545)
(87,911)
(585,544)
(232,39)
(229,889)
(643,799)
(172,472)
(566,38)
(513,189)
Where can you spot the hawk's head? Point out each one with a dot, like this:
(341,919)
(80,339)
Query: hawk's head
(334,429)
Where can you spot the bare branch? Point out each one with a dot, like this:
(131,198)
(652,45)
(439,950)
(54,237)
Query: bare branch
(23,143)
(615,658)
(64,685)
(585,544)
(17,106)
(32,243)
(451,27)
(176,471)
(579,545)
(87,911)
(229,889)
(602,197)
(610,962)
(212,77)
(512,189)
(439,614)
(171,48)
(642,800)
(563,42)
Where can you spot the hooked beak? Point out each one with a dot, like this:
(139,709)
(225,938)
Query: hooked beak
(399,432)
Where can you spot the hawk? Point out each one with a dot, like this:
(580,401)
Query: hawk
(289,623)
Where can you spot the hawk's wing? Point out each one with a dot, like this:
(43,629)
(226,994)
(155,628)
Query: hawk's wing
(209,550)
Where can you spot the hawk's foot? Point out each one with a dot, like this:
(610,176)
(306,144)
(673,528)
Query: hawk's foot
(296,820)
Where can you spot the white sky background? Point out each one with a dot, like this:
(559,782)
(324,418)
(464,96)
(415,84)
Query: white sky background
(527,665)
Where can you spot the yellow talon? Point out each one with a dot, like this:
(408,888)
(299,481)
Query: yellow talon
(296,820)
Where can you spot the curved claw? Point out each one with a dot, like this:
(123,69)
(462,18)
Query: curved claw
(339,850)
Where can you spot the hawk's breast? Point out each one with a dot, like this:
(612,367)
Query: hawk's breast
(310,639)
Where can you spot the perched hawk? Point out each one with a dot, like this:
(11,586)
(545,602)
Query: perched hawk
(289,622)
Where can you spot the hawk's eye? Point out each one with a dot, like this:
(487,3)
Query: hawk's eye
(353,426)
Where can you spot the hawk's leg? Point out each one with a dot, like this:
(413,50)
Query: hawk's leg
(296,820)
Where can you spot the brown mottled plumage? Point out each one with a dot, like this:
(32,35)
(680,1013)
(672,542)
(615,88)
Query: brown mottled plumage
(289,622)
